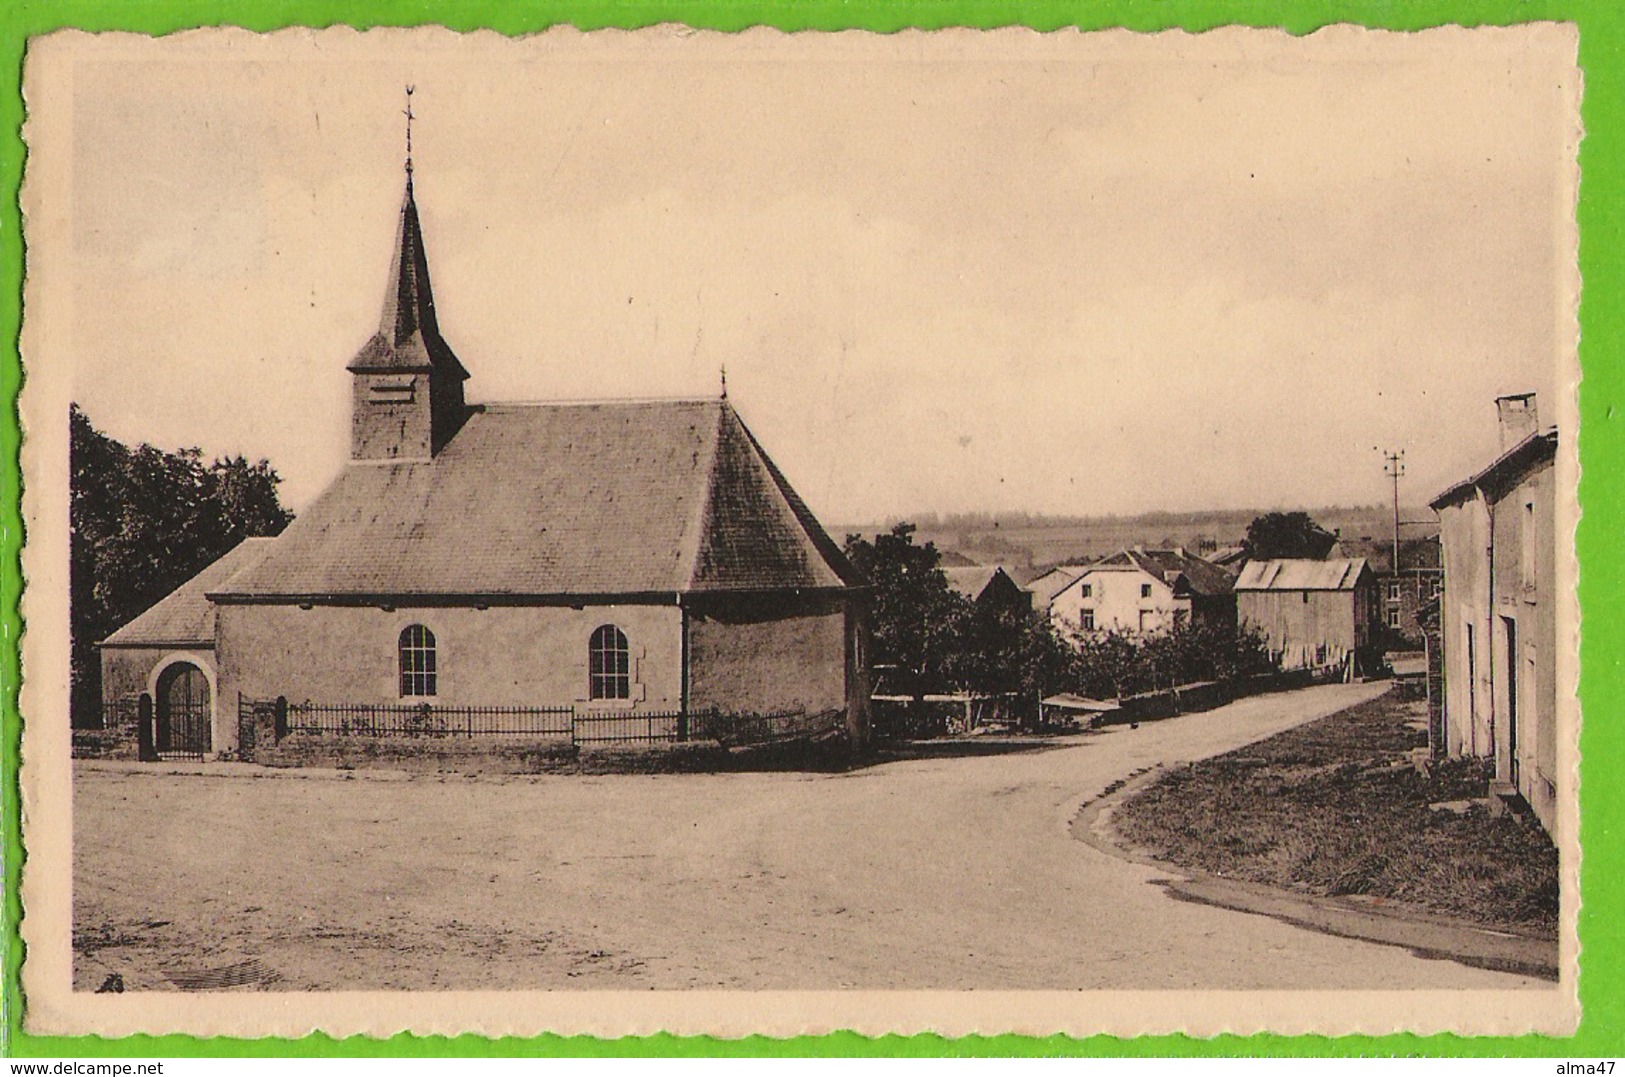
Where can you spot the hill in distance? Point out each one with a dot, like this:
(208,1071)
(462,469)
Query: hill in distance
(1028,544)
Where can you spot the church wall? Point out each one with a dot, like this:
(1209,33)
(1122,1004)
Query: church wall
(500,656)
(766,655)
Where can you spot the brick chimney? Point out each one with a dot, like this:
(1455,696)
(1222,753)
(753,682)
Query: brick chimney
(1518,418)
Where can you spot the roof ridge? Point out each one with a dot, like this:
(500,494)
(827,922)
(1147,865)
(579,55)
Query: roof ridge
(584,402)
(833,556)
(694,537)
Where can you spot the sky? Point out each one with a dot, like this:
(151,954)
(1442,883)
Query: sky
(1069,274)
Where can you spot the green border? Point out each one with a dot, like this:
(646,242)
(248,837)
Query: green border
(1602,446)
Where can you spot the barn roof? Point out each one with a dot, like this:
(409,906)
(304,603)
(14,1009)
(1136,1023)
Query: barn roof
(185,617)
(540,500)
(971,580)
(1296,574)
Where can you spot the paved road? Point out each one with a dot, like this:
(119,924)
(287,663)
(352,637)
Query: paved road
(948,871)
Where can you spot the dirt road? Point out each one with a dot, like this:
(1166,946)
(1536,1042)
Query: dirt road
(953,870)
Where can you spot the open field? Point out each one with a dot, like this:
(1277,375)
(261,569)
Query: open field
(1026,543)
(950,868)
(1335,808)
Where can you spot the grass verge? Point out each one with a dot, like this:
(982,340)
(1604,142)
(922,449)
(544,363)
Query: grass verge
(1335,808)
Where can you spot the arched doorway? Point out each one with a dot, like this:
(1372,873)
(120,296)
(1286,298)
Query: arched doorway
(183,713)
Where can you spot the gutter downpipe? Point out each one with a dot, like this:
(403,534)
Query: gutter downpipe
(1489,628)
(682,722)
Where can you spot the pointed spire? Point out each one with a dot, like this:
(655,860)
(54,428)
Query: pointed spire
(409,303)
(724,381)
(408,336)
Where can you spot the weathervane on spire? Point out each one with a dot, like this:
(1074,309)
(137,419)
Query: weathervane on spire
(724,381)
(408,114)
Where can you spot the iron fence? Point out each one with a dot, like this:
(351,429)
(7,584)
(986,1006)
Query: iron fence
(121,714)
(427,720)
(581,727)
(627,727)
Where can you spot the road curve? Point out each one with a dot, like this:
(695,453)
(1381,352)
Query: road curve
(949,871)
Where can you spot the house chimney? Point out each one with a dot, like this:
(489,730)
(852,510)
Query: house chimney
(1518,418)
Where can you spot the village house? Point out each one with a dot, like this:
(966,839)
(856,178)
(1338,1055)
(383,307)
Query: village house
(1497,620)
(1046,585)
(1401,594)
(1141,590)
(622,555)
(1315,615)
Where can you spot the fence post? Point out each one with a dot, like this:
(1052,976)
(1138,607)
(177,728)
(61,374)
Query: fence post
(146,749)
(281,726)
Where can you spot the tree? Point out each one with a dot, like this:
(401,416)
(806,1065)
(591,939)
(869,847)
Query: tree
(1287,534)
(142,522)
(917,620)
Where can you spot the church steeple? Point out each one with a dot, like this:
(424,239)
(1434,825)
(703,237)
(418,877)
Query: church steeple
(408,384)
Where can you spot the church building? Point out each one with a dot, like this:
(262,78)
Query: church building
(634,555)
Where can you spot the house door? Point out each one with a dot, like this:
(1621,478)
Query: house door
(183,713)
(1511,666)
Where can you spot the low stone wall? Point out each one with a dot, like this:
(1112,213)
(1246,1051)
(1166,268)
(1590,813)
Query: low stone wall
(120,742)
(119,736)
(1185,699)
(489,755)
(1204,696)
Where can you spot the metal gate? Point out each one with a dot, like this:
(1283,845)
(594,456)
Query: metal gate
(184,716)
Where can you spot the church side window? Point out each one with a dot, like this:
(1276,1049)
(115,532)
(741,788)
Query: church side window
(417,662)
(610,662)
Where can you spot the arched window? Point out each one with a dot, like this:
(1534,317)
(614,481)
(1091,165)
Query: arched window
(417,661)
(610,661)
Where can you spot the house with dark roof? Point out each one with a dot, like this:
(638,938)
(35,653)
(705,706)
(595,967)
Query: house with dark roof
(1497,618)
(633,556)
(1315,615)
(988,585)
(1142,590)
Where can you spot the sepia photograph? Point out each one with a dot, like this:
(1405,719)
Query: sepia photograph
(971,531)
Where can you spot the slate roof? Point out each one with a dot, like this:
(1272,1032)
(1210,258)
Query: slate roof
(408,337)
(970,580)
(1535,450)
(184,617)
(1200,577)
(1044,588)
(558,500)
(1294,574)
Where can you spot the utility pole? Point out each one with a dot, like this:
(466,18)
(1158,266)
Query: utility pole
(1394,467)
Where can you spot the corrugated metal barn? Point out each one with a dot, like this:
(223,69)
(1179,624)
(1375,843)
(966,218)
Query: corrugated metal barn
(1315,614)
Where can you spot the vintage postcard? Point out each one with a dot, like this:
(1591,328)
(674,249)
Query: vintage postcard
(962,531)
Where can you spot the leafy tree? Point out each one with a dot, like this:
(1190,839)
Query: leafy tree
(1287,534)
(917,619)
(142,522)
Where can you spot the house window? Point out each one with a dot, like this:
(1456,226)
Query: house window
(1394,591)
(1145,590)
(1087,620)
(1393,617)
(1088,590)
(417,661)
(610,661)
(1148,620)
(1527,542)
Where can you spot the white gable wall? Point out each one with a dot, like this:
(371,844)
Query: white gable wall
(1117,599)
